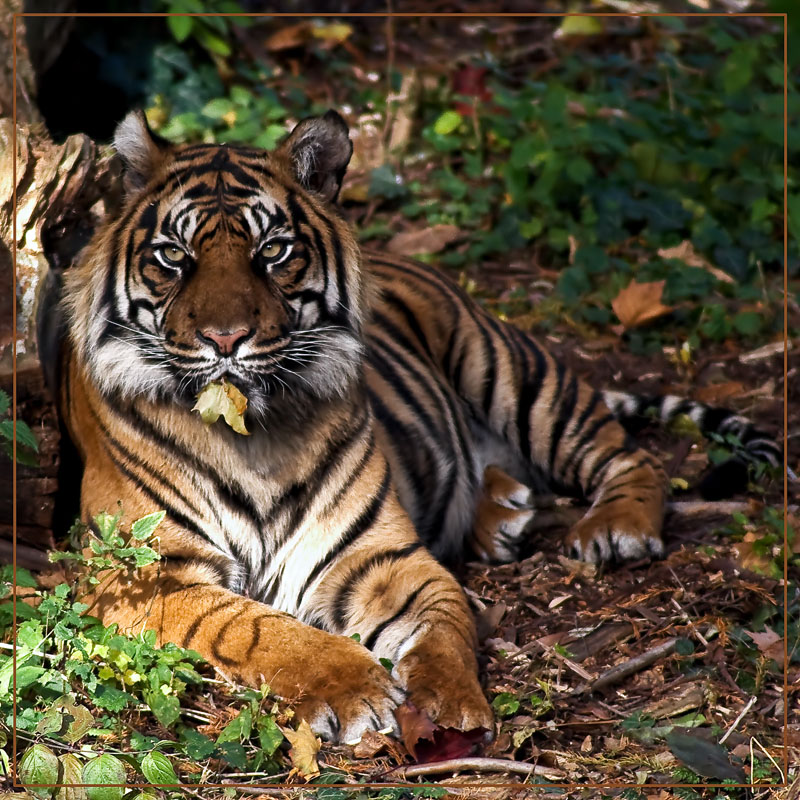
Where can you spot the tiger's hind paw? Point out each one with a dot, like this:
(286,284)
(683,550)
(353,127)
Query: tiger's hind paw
(615,535)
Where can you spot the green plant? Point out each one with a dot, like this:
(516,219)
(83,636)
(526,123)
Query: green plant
(27,446)
(79,682)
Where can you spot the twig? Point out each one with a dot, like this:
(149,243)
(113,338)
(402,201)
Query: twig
(255,790)
(476,765)
(688,620)
(738,719)
(633,665)
(766,753)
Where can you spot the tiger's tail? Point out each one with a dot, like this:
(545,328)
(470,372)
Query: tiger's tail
(750,445)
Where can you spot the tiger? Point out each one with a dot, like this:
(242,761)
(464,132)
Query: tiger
(394,426)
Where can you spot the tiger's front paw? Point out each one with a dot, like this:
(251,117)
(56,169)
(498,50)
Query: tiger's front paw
(617,531)
(345,692)
(447,690)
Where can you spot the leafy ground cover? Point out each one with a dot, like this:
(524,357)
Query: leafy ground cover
(615,187)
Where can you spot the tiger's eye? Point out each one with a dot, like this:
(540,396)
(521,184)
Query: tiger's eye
(174,254)
(272,249)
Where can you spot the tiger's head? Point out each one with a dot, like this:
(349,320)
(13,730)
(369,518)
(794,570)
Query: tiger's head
(223,261)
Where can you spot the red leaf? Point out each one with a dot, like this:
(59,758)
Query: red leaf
(470,81)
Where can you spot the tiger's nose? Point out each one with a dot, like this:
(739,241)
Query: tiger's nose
(224,341)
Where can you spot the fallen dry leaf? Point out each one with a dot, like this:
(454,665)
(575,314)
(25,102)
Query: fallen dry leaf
(288,37)
(769,644)
(686,253)
(221,398)
(639,303)
(428,240)
(427,742)
(372,743)
(414,725)
(717,393)
(305,747)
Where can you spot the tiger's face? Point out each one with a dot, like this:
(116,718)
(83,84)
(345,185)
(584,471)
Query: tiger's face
(225,262)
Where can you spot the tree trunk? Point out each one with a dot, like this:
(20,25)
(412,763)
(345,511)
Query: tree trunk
(62,191)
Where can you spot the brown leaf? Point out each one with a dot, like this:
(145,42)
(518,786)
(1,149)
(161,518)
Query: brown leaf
(639,303)
(486,621)
(769,644)
(428,240)
(426,741)
(686,253)
(414,725)
(305,747)
(372,743)
(288,37)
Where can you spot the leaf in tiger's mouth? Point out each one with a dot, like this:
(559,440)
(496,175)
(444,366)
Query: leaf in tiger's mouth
(222,399)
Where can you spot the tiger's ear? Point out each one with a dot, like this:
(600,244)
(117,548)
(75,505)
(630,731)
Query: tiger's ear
(141,150)
(319,151)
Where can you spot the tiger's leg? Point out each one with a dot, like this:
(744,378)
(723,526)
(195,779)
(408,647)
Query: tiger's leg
(562,426)
(407,608)
(340,685)
(505,512)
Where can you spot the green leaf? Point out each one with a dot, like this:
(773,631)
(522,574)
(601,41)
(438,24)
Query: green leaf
(196,745)
(111,699)
(234,754)
(71,778)
(166,707)
(238,729)
(213,43)
(180,27)
(793,203)
(218,108)
(30,634)
(269,734)
(532,228)
(144,528)
(104,770)
(158,770)
(24,435)
(38,765)
(708,759)
(505,704)
(748,323)
(5,402)
(579,170)
(447,123)
(27,675)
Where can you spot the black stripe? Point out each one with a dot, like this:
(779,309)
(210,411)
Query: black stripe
(385,559)
(369,642)
(587,438)
(568,402)
(601,464)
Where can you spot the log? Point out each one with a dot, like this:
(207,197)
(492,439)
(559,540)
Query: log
(50,211)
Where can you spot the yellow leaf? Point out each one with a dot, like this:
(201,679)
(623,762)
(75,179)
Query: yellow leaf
(221,398)
(639,303)
(305,747)
(679,483)
(579,26)
(337,32)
